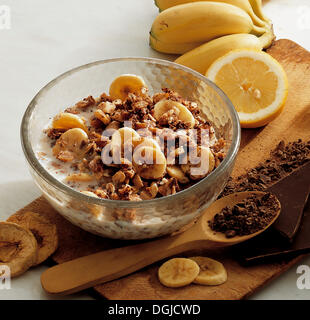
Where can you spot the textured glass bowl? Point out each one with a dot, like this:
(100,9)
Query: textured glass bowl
(152,218)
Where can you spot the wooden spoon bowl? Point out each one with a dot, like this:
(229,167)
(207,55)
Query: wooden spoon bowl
(219,239)
(101,267)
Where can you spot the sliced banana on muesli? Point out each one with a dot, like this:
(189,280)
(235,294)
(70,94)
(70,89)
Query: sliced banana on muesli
(122,136)
(178,272)
(146,142)
(211,273)
(176,172)
(205,164)
(80,177)
(149,162)
(73,141)
(122,143)
(181,112)
(65,120)
(18,248)
(125,84)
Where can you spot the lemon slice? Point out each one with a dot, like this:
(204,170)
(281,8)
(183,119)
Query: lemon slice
(255,83)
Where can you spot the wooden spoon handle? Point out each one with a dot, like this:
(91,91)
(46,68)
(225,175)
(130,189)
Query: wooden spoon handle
(88,271)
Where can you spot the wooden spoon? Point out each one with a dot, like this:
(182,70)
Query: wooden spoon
(101,267)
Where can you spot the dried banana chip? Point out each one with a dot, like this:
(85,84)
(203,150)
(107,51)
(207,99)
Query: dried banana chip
(44,232)
(178,272)
(18,248)
(211,273)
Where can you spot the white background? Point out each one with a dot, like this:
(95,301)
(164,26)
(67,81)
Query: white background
(49,37)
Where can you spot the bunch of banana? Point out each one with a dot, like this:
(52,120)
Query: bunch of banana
(201,58)
(242,4)
(257,8)
(201,21)
(205,30)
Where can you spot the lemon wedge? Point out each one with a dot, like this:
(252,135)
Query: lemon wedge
(255,83)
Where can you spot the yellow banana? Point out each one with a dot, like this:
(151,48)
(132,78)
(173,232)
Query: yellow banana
(257,8)
(201,58)
(178,272)
(71,145)
(149,162)
(179,110)
(66,120)
(124,84)
(201,21)
(212,272)
(242,4)
(176,172)
(172,48)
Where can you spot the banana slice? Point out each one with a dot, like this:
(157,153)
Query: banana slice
(186,168)
(80,177)
(65,120)
(44,231)
(178,272)
(176,172)
(149,163)
(125,84)
(18,248)
(212,272)
(74,141)
(205,166)
(146,142)
(123,135)
(183,114)
(122,141)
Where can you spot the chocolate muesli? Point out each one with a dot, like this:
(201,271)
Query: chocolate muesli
(284,159)
(131,145)
(249,216)
(254,214)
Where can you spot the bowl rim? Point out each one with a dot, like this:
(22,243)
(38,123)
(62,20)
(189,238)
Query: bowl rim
(45,175)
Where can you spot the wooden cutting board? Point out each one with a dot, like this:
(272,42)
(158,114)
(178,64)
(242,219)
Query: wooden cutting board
(256,144)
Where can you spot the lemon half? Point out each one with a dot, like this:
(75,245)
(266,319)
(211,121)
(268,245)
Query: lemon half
(255,83)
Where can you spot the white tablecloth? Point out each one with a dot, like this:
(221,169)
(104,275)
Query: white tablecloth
(47,38)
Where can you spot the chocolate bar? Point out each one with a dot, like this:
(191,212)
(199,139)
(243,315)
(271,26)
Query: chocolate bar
(293,223)
(292,192)
(271,245)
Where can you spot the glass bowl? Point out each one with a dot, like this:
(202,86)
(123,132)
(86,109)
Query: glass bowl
(127,219)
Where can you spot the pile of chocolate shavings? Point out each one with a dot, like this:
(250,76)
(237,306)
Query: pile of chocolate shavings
(247,217)
(283,160)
